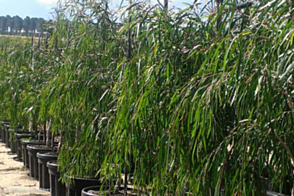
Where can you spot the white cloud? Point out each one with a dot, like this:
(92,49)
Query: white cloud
(47,1)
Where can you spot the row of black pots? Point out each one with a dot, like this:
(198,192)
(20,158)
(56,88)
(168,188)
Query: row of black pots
(36,155)
(6,137)
(15,144)
(42,166)
(33,154)
(3,130)
(19,137)
(25,153)
(42,163)
(80,186)
(33,149)
(59,189)
(73,189)
(95,191)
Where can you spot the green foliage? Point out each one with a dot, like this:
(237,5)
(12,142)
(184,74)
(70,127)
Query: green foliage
(186,102)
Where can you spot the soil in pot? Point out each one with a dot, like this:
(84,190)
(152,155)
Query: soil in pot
(43,158)
(106,191)
(33,160)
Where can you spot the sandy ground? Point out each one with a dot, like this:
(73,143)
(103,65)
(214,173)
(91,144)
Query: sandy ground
(14,179)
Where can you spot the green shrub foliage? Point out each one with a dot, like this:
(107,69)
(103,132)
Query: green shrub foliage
(196,101)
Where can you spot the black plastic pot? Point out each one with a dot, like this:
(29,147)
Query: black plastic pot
(33,160)
(75,188)
(43,158)
(7,138)
(12,142)
(105,187)
(2,130)
(56,187)
(19,137)
(25,153)
(4,125)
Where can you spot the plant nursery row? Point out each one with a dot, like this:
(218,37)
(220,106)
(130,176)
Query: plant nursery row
(150,99)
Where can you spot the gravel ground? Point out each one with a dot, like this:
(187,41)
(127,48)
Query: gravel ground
(14,179)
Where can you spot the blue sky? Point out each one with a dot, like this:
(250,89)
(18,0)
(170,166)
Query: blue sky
(23,8)
(43,8)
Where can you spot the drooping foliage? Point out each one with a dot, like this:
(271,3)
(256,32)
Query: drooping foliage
(184,102)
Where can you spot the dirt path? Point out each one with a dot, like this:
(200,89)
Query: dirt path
(14,179)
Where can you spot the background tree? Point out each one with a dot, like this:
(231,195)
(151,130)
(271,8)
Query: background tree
(26,24)
(3,24)
(17,24)
(39,25)
(9,22)
(33,24)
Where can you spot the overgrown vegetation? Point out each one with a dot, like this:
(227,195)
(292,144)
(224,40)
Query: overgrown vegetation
(186,102)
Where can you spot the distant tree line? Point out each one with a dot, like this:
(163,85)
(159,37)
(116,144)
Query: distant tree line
(17,25)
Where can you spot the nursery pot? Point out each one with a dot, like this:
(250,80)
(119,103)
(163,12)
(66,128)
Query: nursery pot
(75,188)
(25,153)
(2,133)
(12,142)
(43,158)
(95,191)
(3,130)
(18,137)
(33,160)
(7,137)
(56,187)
